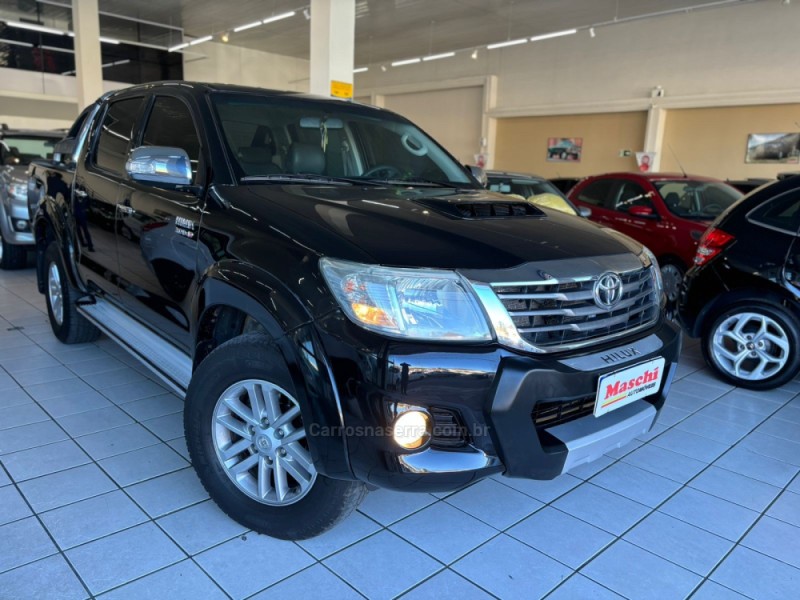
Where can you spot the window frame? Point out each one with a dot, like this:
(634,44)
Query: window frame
(751,219)
(98,132)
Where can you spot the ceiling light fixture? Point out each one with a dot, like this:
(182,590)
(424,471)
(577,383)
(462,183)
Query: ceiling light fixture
(438,56)
(307,14)
(361,70)
(591,32)
(279,17)
(508,43)
(383,68)
(178,47)
(408,61)
(555,34)
(34,27)
(225,37)
(206,38)
(245,27)
(107,40)
(474,55)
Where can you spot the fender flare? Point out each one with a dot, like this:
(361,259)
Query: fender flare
(286,321)
(770,297)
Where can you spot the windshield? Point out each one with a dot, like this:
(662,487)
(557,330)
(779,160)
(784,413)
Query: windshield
(272,137)
(696,199)
(21,150)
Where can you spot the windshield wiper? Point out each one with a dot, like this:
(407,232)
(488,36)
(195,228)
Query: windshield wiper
(296,178)
(420,181)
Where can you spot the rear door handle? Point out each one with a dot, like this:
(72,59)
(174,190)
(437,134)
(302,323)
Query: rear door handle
(81,193)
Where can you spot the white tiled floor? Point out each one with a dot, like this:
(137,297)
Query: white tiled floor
(97,498)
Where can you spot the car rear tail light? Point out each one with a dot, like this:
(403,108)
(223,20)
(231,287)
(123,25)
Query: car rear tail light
(711,244)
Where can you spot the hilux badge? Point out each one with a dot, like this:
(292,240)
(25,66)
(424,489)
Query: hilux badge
(607,290)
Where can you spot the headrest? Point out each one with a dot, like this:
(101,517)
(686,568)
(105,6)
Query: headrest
(249,154)
(305,158)
(672,199)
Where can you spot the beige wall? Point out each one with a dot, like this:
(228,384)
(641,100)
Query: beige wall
(224,63)
(452,117)
(522,143)
(712,141)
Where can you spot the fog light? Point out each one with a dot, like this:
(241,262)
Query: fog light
(412,429)
(20,224)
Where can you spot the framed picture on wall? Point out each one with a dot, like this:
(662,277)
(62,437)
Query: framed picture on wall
(764,148)
(561,149)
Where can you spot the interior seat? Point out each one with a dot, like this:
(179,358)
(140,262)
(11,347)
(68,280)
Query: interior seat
(305,158)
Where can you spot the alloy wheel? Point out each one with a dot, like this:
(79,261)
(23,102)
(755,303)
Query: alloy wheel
(672,276)
(54,293)
(261,443)
(750,346)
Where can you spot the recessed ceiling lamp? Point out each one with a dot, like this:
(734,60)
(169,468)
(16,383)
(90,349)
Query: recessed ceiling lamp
(226,37)
(408,61)
(438,56)
(474,55)
(361,70)
(508,43)
(307,14)
(591,32)
(555,34)
(383,68)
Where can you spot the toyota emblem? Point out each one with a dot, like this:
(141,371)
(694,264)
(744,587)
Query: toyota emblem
(607,290)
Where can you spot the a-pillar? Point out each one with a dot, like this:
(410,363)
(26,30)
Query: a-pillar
(333,28)
(88,60)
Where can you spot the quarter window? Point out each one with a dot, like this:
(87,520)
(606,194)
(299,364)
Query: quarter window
(783,213)
(115,135)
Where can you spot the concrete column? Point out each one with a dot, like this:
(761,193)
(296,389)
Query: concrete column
(654,135)
(88,61)
(333,26)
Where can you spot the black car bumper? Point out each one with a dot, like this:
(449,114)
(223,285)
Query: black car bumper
(494,411)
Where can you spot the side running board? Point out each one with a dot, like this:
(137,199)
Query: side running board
(165,360)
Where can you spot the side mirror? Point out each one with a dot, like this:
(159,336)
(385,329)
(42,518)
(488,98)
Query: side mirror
(159,165)
(585,211)
(479,174)
(63,149)
(642,212)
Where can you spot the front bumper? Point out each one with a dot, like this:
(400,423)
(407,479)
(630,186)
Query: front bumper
(11,211)
(494,393)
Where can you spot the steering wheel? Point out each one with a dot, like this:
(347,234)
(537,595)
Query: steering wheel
(713,208)
(383,172)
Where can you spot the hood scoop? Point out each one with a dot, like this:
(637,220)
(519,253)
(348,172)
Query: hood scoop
(492,209)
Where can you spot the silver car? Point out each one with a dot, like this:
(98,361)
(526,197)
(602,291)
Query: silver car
(17,149)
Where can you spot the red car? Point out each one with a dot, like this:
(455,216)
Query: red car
(667,212)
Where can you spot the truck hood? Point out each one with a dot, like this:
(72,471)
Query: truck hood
(423,227)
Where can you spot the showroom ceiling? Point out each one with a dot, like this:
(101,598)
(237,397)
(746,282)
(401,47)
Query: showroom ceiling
(386,30)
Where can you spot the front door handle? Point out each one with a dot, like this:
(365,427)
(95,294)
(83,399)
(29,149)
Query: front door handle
(125,209)
(81,193)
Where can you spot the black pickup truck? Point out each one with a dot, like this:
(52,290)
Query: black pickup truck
(341,304)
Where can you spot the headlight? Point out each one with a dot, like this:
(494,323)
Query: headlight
(649,260)
(19,191)
(421,304)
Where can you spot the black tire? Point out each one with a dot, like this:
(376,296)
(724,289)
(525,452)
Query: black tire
(247,357)
(672,267)
(73,327)
(12,255)
(781,317)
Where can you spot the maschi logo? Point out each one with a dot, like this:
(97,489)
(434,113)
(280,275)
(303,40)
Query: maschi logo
(618,388)
(607,290)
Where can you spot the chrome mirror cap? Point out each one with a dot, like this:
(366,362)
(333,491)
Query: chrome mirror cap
(159,164)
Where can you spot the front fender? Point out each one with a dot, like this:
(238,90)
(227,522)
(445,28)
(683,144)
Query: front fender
(256,293)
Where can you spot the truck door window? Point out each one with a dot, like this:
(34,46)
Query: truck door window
(170,124)
(115,135)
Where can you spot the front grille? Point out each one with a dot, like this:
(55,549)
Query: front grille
(558,314)
(448,431)
(550,414)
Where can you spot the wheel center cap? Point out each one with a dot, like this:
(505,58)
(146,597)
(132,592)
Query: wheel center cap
(751,346)
(263,442)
